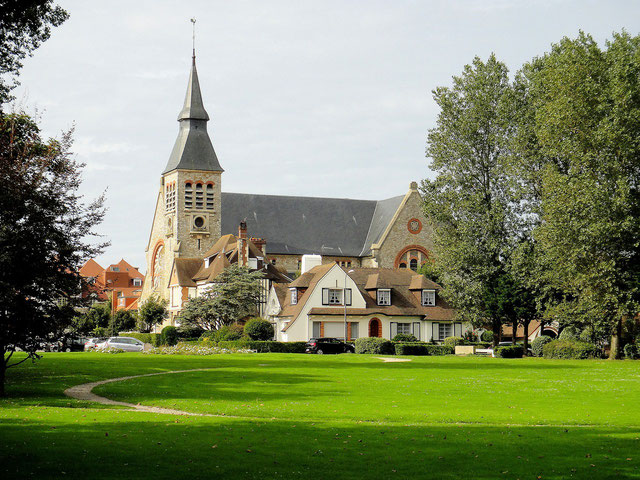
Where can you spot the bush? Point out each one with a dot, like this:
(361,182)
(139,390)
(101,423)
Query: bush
(169,336)
(152,338)
(419,348)
(258,329)
(631,351)
(569,333)
(567,349)
(228,332)
(512,351)
(189,332)
(453,341)
(404,337)
(538,344)
(374,345)
(264,346)
(487,336)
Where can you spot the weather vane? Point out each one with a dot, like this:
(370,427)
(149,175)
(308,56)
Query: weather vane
(193,21)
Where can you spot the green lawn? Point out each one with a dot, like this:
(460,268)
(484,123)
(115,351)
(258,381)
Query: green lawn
(348,416)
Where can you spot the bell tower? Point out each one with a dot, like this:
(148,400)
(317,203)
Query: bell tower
(187,217)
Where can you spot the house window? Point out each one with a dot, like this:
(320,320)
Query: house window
(428,298)
(137,282)
(116,269)
(354,330)
(188,195)
(209,197)
(333,296)
(294,296)
(413,264)
(121,302)
(199,196)
(404,328)
(445,330)
(384,296)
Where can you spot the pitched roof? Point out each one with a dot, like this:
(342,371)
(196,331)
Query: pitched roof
(185,270)
(420,282)
(307,225)
(193,149)
(214,269)
(91,269)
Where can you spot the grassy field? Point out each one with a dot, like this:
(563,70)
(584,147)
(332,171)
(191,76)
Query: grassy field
(349,416)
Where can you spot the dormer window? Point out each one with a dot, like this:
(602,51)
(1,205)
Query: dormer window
(384,296)
(428,298)
(137,282)
(294,296)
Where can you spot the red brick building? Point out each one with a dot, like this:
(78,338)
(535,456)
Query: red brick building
(120,282)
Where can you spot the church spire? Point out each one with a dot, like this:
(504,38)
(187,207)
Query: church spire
(193,149)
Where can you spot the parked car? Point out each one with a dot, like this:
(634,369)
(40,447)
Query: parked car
(328,345)
(71,344)
(92,343)
(128,344)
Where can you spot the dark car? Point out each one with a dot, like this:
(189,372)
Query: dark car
(328,345)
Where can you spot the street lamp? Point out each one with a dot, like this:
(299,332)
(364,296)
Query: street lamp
(344,301)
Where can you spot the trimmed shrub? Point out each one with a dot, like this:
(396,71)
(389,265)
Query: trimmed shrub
(404,337)
(512,351)
(374,345)
(169,336)
(538,344)
(569,333)
(453,341)
(229,332)
(152,338)
(264,346)
(570,350)
(631,351)
(420,348)
(258,329)
(487,336)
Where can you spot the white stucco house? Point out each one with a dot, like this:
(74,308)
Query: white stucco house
(377,302)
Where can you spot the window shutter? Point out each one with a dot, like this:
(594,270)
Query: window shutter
(416,330)
(394,329)
(325,296)
(457,329)
(316,329)
(347,294)
(435,332)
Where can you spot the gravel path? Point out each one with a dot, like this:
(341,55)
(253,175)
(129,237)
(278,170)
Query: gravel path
(388,360)
(84,392)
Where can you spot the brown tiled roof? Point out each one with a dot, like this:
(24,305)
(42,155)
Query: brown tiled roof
(226,242)
(375,281)
(316,273)
(420,282)
(91,269)
(282,290)
(508,329)
(186,269)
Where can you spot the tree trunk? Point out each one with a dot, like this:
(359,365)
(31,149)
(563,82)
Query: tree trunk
(525,327)
(3,369)
(514,332)
(497,330)
(614,354)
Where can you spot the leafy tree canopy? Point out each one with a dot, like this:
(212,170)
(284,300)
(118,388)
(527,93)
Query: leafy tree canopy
(25,24)
(152,312)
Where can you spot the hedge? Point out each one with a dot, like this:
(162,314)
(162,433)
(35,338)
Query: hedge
(258,329)
(404,337)
(569,349)
(419,348)
(169,336)
(631,351)
(453,341)
(265,346)
(511,351)
(152,338)
(374,345)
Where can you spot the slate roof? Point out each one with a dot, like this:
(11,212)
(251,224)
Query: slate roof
(309,225)
(193,149)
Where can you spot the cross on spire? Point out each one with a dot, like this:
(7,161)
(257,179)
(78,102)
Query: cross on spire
(193,22)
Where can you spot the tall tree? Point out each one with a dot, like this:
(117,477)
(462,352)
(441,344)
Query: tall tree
(46,232)
(469,201)
(151,313)
(581,152)
(24,24)
(234,296)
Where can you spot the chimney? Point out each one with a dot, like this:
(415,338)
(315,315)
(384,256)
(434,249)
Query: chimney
(310,261)
(259,243)
(242,230)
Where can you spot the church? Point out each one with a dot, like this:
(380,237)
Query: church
(193,213)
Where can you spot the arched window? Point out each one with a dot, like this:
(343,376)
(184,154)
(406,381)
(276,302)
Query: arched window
(188,195)
(402,265)
(413,256)
(413,264)
(209,197)
(199,196)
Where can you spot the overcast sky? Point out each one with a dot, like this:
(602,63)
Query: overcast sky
(318,98)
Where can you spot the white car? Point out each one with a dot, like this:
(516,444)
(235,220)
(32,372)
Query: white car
(128,344)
